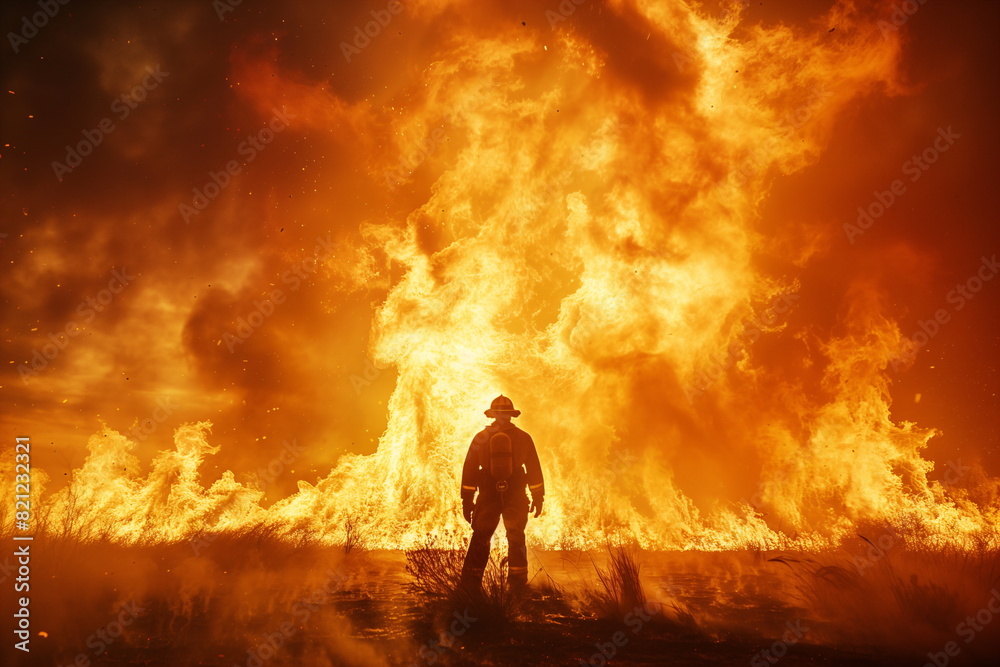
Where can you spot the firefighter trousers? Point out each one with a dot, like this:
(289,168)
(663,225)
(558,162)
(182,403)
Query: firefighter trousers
(490,506)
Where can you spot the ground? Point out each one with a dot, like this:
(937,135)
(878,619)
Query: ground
(252,600)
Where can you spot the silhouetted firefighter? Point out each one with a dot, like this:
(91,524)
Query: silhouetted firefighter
(501,462)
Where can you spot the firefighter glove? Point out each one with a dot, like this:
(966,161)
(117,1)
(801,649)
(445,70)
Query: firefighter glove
(536,505)
(467,505)
(467,511)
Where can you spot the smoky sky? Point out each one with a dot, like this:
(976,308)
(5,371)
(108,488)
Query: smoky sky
(304,374)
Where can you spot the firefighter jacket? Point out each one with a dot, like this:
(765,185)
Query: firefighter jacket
(502,457)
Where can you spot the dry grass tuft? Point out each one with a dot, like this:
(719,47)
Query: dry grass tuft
(354,535)
(621,589)
(621,595)
(437,572)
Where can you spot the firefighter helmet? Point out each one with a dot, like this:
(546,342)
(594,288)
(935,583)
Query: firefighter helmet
(502,406)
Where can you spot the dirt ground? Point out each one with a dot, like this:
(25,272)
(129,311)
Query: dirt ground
(240,602)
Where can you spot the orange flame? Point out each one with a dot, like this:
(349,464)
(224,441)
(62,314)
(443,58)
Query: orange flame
(588,245)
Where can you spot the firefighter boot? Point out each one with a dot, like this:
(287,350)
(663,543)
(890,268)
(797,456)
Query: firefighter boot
(517,579)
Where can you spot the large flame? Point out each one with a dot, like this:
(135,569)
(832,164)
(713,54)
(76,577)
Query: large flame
(583,233)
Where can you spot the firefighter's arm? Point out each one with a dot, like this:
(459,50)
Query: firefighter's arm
(469,478)
(536,482)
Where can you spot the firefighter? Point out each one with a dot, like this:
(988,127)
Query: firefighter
(501,463)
